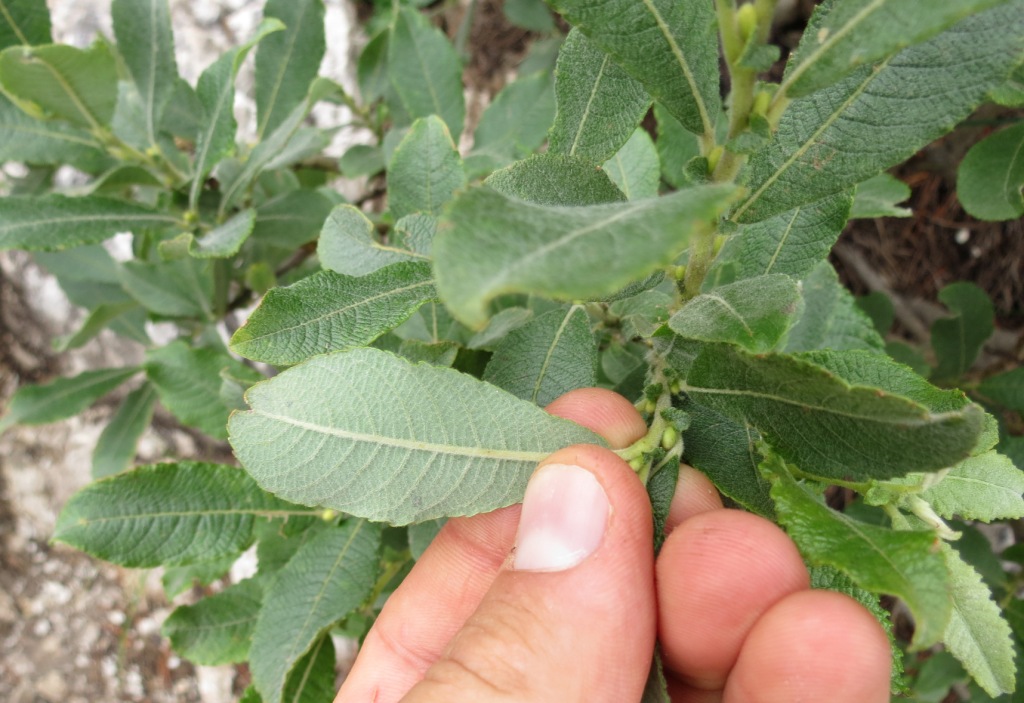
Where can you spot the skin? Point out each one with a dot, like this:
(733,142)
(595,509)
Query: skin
(729,599)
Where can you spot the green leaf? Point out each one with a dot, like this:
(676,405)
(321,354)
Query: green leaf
(146,43)
(99,319)
(656,688)
(425,170)
(361,160)
(958,340)
(182,288)
(547,357)
(311,679)
(372,68)
(977,634)
(561,252)
(57,222)
(879,307)
(78,85)
(831,318)
(880,422)
(755,313)
(676,147)
(516,122)
(635,168)
(677,62)
(661,489)
(217,629)
(985,487)
(349,244)
(991,176)
(726,451)
(878,559)
(224,240)
(166,514)
(63,398)
(329,312)
(425,70)
(327,578)
(555,179)
(1007,389)
(640,315)
(24,22)
(499,326)
(599,104)
(189,382)
(178,579)
(434,353)
(422,534)
(845,34)
(818,148)
(287,63)
(1010,93)
(795,242)
(115,449)
(880,197)
(291,219)
(532,15)
(26,139)
(377,437)
(216,93)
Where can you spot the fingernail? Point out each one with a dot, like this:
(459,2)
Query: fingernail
(565,512)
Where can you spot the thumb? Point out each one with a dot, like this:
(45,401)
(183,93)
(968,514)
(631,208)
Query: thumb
(571,617)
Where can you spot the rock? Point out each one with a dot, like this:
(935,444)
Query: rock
(52,687)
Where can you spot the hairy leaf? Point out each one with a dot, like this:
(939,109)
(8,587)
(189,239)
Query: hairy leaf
(182,288)
(676,147)
(677,62)
(635,168)
(880,115)
(991,176)
(291,219)
(516,122)
(115,449)
(560,252)
(26,139)
(217,629)
(831,318)
(885,423)
(166,514)
(224,240)
(287,62)
(422,534)
(880,197)
(329,312)
(1007,389)
(640,315)
(984,487)
(555,179)
(349,244)
(845,34)
(380,438)
(548,356)
(958,340)
(24,22)
(63,398)
(499,326)
(425,170)
(755,313)
(599,104)
(327,578)
(877,559)
(178,579)
(311,679)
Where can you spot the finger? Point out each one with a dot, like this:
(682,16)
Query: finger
(695,494)
(813,646)
(717,573)
(451,577)
(572,618)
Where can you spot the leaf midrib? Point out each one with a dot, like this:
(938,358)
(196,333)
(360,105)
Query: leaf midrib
(12,25)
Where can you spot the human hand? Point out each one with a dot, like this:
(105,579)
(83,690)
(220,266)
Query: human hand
(569,609)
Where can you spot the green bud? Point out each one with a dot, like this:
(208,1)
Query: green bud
(669,438)
(328,515)
(719,243)
(650,406)
(675,387)
(637,463)
(679,272)
(716,154)
(746,20)
(761,102)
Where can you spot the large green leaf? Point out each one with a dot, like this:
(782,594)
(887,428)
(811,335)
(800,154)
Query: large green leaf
(326,579)
(555,179)
(146,42)
(26,139)
(677,60)
(819,147)
(115,449)
(217,629)
(349,244)
(984,487)
(330,311)
(845,34)
(548,356)
(24,22)
(599,104)
(78,85)
(877,559)
(60,399)
(291,219)
(516,122)
(880,425)
(635,167)
(958,340)
(182,288)
(991,176)
(425,169)
(1007,389)
(560,252)
(166,514)
(794,242)
(754,313)
(831,318)
(189,382)
(216,93)
(287,63)
(311,679)
(377,437)
(58,222)
(977,633)
(425,70)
